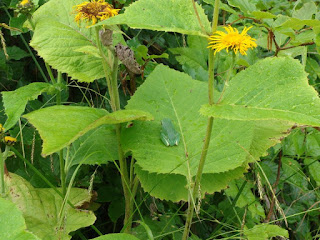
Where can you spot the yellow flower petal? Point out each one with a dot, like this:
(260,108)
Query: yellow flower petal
(238,42)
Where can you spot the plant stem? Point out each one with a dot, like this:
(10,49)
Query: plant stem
(112,82)
(106,69)
(3,157)
(211,54)
(125,183)
(50,73)
(2,183)
(61,159)
(122,161)
(196,188)
(37,172)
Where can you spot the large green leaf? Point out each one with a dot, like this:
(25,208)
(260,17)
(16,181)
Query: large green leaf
(272,89)
(116,236)
(15,102)
(41,208)
(265,231)
(163,15)
(59,126)
(12,224)
(157,184)
(64,44)
(171,94)
(97,146)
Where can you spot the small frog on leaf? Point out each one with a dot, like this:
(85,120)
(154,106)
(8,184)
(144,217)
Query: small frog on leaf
(169,136)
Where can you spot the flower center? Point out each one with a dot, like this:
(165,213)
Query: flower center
(93,8)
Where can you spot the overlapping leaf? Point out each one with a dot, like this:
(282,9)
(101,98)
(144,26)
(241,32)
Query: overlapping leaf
(12,224)
(15,101)
(163,15)
(98,146)
(174,187)
(171,94)
(272,89)
(41,208)
(61,125)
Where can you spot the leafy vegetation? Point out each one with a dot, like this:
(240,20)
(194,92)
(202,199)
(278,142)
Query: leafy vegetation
(159,119)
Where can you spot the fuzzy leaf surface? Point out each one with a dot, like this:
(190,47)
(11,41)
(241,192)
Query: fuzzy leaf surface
(41,207)
(15,101)
(58,39)
(52,122)
(12,224)
(167,93)
(163,15)
(272,89)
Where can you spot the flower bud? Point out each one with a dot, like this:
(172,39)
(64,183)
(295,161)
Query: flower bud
(10,141)
(25,6)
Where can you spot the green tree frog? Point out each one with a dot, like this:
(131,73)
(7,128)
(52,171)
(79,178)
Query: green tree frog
(169,136)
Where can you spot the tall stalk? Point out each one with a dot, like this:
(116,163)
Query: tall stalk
(111,74)
(3,157)
(196,187)
(2,184)
(61,159)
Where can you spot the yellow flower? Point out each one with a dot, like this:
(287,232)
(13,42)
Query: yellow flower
(232,39)
(9,140)
(24,2)
(94,11)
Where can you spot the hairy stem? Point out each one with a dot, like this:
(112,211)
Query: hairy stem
(112,82)
(107,71)
(196,187)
